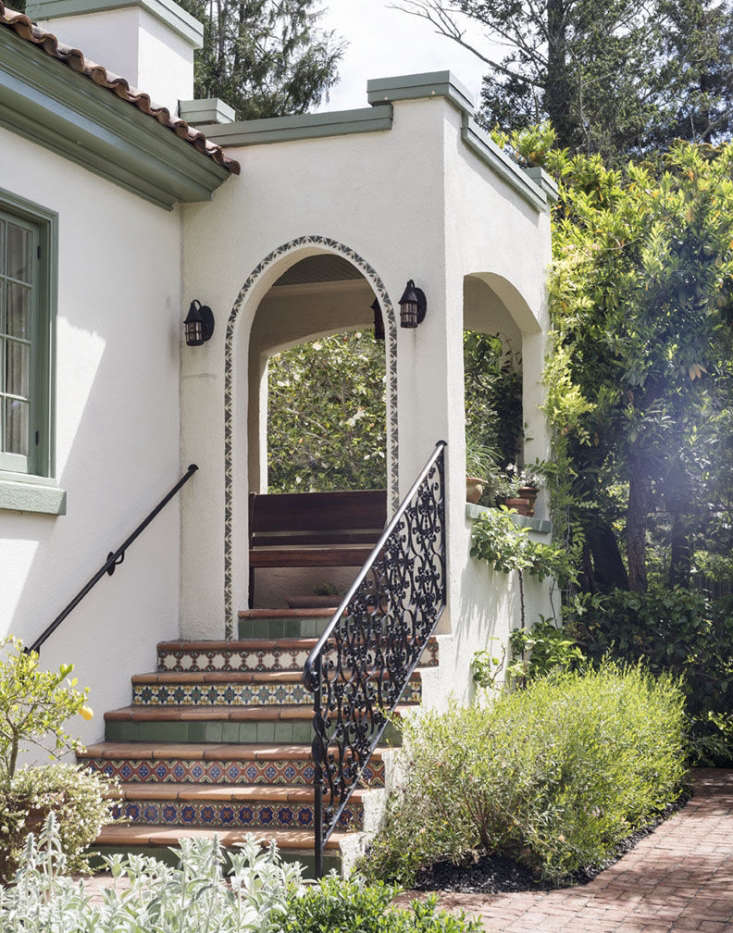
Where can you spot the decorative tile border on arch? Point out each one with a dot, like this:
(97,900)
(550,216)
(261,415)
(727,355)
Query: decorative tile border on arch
(328,245)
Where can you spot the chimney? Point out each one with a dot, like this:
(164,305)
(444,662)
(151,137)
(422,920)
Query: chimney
(148,42)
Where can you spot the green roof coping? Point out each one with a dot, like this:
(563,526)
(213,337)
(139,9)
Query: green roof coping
(417,86)
(32,495)
(299,126)
(167,11)
(539,526)
(208,110)
(494,156)
(548,184)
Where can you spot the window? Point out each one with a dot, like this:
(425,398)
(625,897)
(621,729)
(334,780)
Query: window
(26,321)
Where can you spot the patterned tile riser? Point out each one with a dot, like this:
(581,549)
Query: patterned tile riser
(202,661)
(174,771)
(229,815)
(293,694)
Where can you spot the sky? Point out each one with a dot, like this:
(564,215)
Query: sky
(383,42)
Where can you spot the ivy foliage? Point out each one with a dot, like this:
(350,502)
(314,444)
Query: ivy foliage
(327,415)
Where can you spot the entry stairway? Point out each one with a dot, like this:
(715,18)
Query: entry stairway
(217,741)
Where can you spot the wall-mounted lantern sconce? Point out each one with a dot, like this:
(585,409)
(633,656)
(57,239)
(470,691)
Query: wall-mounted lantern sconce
(378,320)
(413,305)
(199,324)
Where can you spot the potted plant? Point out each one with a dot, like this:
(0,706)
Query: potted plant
(480,467)
(523,488)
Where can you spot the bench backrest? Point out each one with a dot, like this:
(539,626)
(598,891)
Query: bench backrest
(314,518)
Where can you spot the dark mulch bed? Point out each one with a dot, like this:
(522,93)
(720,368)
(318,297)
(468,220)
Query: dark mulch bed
(496,874)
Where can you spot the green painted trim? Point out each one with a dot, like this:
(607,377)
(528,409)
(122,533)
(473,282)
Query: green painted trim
(167,11)
(417,86)
(45,101)
(539,526)
(47,223)
(301,126)
(505,167)
(210,110)
(32,495)
(548,184)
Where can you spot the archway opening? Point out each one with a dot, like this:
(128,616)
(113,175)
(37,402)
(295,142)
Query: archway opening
(493,395)
(317,433)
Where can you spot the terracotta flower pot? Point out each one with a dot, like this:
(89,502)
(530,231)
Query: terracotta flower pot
(474,489)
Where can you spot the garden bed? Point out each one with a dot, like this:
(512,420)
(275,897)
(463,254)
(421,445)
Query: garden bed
(497,874)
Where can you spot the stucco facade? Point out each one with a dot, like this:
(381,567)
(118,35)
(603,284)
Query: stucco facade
(407,188)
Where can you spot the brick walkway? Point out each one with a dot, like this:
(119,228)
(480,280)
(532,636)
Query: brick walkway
(679,878)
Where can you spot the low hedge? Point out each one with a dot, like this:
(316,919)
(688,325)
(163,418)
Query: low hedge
(554,776)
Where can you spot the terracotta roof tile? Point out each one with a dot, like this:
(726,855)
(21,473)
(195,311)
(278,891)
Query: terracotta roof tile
(76,60)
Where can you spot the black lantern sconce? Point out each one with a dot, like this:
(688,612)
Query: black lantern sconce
(413,305)
(199,324)
(378,320)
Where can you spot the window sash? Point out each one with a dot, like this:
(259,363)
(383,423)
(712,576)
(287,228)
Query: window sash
(23,405)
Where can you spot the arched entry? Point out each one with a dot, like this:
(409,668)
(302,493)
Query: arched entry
(287,255)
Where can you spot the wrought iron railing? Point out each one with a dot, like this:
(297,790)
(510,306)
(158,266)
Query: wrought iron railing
(365,658)
(114,559)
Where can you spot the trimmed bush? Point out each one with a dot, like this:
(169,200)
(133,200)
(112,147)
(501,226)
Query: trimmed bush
(336,906)
(75,796)
(554,776)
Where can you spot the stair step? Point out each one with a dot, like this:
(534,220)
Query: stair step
(228,806)
(218,724)
(197,763)
(312,556)
(297,845)
(252,688)
(250,654)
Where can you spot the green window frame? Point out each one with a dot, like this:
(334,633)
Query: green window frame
(28,271)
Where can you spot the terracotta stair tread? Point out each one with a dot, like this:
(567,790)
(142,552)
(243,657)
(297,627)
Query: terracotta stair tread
(194,751)
(241,644)
(221,792)
(294,840)
(207,713)
(218,677)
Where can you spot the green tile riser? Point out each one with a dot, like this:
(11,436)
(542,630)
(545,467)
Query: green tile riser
(283,628)
(222,732)
(164,854)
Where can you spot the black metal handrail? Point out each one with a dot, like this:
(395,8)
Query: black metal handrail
(114,559)
(364,660)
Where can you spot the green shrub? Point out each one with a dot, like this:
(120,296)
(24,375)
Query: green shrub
(671,629)
(336,906)
(554,776)
(78,799)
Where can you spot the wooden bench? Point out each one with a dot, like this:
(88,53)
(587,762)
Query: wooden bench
(315,529)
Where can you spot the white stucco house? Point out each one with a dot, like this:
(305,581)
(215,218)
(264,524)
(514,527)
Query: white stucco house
(121,207)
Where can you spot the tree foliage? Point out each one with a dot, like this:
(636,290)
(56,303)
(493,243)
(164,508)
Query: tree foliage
(265,58)
(613,77)
(327,415)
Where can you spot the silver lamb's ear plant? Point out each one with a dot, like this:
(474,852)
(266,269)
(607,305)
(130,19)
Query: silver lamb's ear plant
(148,895)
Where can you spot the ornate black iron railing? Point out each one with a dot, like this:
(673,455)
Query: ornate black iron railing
(365,658)
(114,559)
